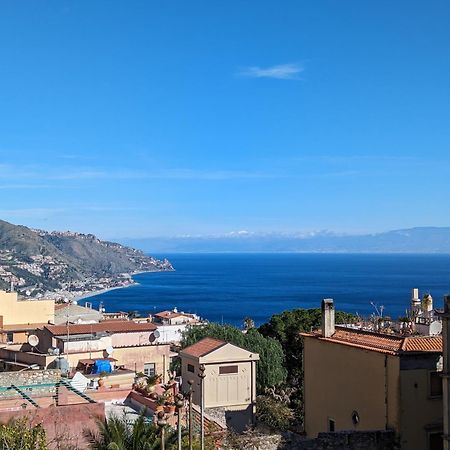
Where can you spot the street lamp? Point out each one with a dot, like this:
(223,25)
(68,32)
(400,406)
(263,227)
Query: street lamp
(162,422)
(190,382)
(179,403)
(202,376)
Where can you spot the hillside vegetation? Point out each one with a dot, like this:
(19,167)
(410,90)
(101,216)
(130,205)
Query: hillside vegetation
(61,260)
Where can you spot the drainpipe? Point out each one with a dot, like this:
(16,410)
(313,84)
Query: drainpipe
(446,372)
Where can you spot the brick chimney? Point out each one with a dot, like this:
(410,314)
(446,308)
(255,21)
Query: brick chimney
(327,317)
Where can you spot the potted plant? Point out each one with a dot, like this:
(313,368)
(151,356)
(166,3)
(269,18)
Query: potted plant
(160,402)
(101,380)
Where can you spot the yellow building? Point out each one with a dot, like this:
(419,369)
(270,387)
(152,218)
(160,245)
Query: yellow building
(359,380)
(18,317)
(230,379)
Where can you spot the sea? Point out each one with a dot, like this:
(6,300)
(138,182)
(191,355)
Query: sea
(227,288)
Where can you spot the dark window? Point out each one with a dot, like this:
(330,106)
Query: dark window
(223,370)
(331,425)
(435,441)
(190,368)
(10,336)
(435,384)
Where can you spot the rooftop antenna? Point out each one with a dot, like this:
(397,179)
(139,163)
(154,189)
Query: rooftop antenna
(378,311)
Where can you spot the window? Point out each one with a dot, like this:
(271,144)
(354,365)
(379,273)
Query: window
(9,336)
(331,425)
(224,370)
(149,369)
(435,441)
(190,368)
(435,384)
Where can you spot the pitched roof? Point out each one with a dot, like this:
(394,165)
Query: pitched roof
(203,347)
(379,342)
(422,344)
(111,326)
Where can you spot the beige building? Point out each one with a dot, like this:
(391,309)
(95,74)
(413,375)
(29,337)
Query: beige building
(175,318)
(126,342)
(230,379)
(359,380)
(19,318)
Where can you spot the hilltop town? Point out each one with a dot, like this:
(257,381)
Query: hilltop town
(67,265)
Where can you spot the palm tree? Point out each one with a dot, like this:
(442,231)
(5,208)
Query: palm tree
(116,433)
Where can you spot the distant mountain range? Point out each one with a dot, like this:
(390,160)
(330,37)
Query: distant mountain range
(412,240)
(39,261)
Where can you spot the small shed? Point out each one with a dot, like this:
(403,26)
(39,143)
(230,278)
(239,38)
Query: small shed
(230,379)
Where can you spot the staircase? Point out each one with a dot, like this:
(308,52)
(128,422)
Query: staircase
(24,395)
(68,386)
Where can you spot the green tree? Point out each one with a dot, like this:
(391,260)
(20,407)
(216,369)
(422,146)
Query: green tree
(270,370)
(21,435)
(116,433)
(286,328)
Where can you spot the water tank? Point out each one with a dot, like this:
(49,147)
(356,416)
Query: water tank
(62,364)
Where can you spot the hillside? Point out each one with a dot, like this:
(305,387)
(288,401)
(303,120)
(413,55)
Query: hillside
(42,262)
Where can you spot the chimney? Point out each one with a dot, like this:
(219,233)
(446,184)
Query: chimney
(327,317)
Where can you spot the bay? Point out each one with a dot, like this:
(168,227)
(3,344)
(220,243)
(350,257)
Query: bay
(230,287)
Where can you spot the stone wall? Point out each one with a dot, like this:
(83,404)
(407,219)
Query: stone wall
(351,440)
(27,379)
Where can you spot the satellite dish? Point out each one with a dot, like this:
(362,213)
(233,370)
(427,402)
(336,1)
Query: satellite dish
(152,338)
(33,340)
(109,350)
(157,334)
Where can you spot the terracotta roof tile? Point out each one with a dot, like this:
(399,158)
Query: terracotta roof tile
(112,326)
(379,342)
(203,347)
(423,344)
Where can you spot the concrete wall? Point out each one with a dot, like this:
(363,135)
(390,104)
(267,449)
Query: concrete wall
(340,379)
(24,312)
(419,411)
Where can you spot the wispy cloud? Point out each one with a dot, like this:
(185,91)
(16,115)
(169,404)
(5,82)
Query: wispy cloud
(40,213)
(62,174)
(279,72)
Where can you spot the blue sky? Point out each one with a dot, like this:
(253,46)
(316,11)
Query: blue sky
(134,119)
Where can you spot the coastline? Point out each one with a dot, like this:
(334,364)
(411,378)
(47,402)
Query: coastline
(113,288)
(101,291)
